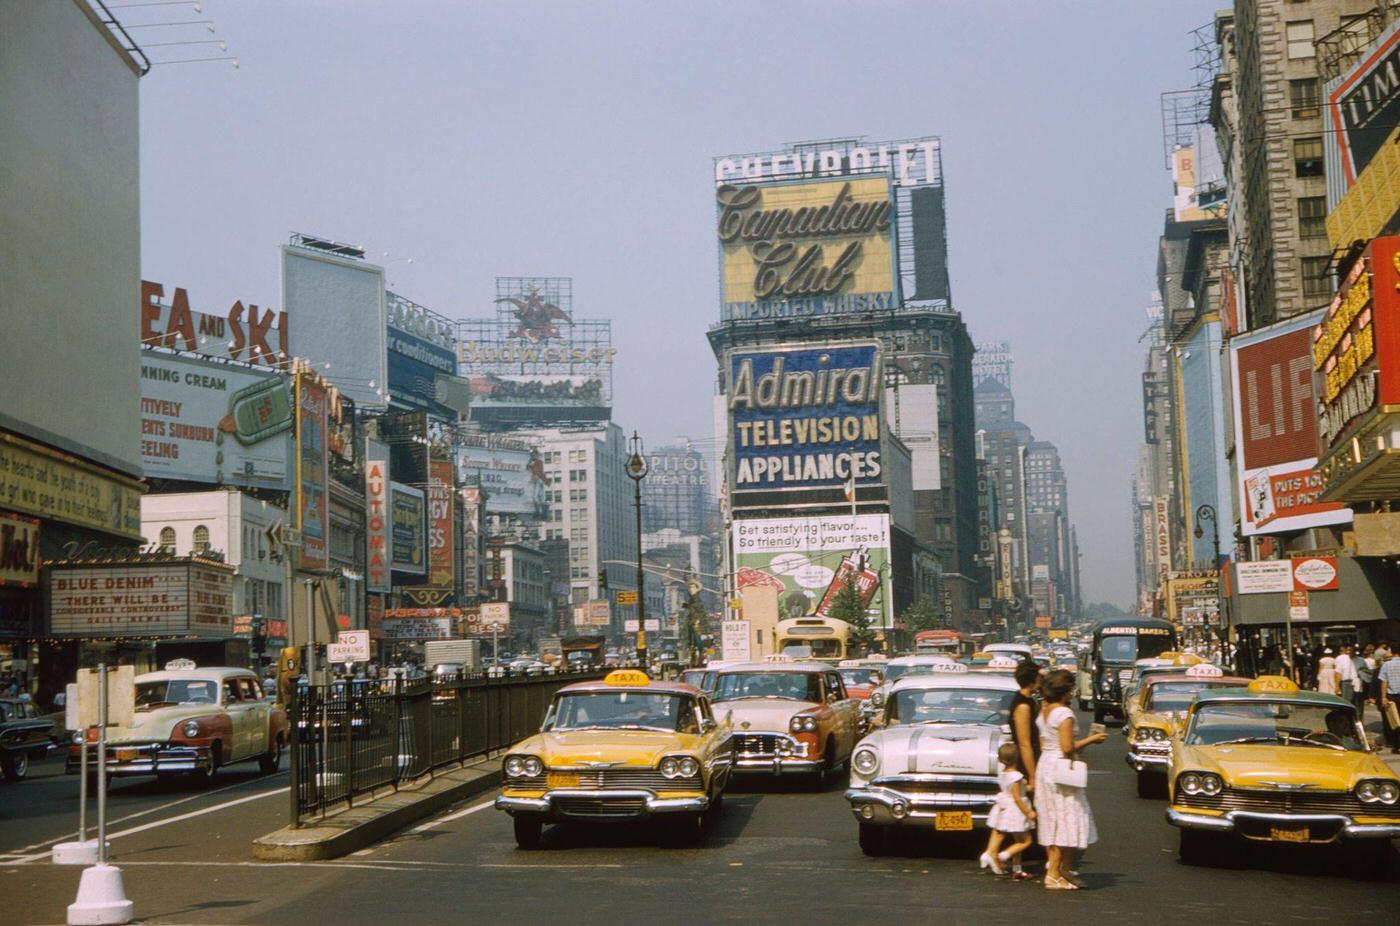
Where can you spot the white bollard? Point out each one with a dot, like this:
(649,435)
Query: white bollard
(80,852)
(101,899)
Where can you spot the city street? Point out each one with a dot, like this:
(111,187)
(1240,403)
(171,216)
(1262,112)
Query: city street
(774,856)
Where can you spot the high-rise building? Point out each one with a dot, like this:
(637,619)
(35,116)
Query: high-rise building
(676,493)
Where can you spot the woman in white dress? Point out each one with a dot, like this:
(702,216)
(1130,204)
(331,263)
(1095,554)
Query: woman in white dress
(1064,822)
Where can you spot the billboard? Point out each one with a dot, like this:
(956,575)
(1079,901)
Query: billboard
(807,560)
(912,413)
(19,550)
(421,348)
(408,510)
(509,470)
(807,247)
(173,598)
(593,614)
(378,577)
(1363,105)
(244,333)
(440,565)
(313,498)
(804,417)
(396,628)
(43,482)
(337,301)
(203,421)
(1276,430)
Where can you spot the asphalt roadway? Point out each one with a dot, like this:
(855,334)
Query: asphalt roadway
(776,855)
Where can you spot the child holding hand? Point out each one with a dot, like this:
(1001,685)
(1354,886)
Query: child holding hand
(1012,816)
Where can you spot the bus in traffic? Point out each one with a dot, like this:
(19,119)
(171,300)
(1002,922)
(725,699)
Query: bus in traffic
(825,639)
(1118,643)
(942,643)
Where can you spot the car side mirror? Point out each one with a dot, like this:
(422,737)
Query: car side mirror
(707,725)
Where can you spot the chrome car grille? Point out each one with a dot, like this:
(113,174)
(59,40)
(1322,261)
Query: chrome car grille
(1275,801)
(1158,748)
(600,806)
(1124,677)
(758,744)
(621,779)
(929,784)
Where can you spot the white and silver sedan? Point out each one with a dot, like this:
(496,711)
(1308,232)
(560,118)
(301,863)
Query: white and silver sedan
(933,761)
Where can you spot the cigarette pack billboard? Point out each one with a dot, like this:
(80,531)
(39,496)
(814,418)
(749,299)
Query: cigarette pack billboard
(440,565)
(214,422)
(807,247)
(177,598)
(313,499)
(378,576)
(510,472)
(1276,430)
(408,545)
(808,559)
(804,417)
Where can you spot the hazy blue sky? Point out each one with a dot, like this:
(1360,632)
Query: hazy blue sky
(574,139)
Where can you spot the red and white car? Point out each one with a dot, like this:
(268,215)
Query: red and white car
(194,721)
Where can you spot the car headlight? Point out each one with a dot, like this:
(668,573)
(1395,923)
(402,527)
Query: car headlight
(1190,783)
(1378,792)
(877,698)
(1106,686)
(1211,785)
(1159,734)
(865,761)
(79,736)
(803,724)
(190,728)
(679,767)
(523,767)
(1142,734)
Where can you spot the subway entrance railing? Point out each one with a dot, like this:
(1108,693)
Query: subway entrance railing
(353,739)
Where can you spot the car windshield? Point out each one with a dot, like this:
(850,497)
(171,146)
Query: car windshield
(951,705)
(1123,648)
(860,676)
(1278,723)
(1176,696)
(893,673)
(794,686)
(624,710)
(177,691)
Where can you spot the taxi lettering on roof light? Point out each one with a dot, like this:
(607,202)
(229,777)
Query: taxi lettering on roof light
(1205,670)
(953,667)
(1276,684)
(1002,662)
(777,657)
(627,678)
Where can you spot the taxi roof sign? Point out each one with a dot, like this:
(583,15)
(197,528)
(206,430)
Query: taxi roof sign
(778,657)
(954,668)
(1003,662)
(1275,684)
(627,678)
(1205,670)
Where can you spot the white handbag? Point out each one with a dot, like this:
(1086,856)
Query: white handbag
(1070,773)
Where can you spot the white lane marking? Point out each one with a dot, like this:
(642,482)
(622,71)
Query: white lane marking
(560,865)
(50,843)
(165,822)
(424,827)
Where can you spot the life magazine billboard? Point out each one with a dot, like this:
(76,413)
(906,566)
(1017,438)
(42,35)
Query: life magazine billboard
(204,421)
(808,560)
(804,417)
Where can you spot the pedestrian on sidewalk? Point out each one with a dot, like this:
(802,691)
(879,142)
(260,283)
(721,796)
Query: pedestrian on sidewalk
(1365,680)
(1388,687)
(1327,679)
(1346,673)
(1064,820)
(1012,816)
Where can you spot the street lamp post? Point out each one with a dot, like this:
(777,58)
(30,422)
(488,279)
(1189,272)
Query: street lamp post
(636,471)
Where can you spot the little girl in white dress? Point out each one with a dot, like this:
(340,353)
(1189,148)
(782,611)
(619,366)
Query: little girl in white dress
(1012,816)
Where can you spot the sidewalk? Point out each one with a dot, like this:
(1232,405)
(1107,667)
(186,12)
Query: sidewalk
(1374,728)
(356,827)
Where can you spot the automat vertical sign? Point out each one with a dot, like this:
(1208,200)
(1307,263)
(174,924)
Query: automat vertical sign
(805,418)
(440,571)
(377,569)
(312,499)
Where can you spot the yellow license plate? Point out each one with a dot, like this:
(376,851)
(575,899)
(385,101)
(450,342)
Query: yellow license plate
(562,779)
(127,755)
(954,820)
(1288,834)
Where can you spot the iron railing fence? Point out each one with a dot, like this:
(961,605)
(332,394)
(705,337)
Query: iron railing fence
(354,738)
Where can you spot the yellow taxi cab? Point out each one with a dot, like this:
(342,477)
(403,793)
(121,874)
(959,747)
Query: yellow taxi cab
(1271,763)
(1154,713)
(625,748)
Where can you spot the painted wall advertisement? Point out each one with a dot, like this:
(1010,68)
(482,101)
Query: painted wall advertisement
(313,503)
(408,512)
(510,471)
(163,599)
(804,418)
(806,247)
(808,560)
(1276,430)
(45,483)
(378,577)
(440,565)
(212,422)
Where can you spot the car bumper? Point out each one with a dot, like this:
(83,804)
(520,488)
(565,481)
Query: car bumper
(148,759)
(1231,822)
(895,808)
(1146,762)
(583,804)
(777,765)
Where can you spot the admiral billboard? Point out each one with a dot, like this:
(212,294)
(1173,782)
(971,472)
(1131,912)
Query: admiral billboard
(804,417)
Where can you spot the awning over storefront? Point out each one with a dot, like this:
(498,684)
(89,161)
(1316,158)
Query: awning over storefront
(1369,590)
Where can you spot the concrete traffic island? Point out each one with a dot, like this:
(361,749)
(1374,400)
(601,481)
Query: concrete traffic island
(376,818)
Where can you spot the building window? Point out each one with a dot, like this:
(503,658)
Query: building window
(1312,217)
(1303,95)
(201,539)
(1299,36)
(167,540)
(1307,157)
(1315,277)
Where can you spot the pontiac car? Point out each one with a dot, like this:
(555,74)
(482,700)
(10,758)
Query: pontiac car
(1154,713)
(1271,763)
(933,762)
(789,717)
(622,749)
(194,721)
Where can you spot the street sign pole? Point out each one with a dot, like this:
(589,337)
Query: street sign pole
(102,763)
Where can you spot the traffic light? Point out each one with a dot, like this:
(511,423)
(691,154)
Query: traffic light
(602,580)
